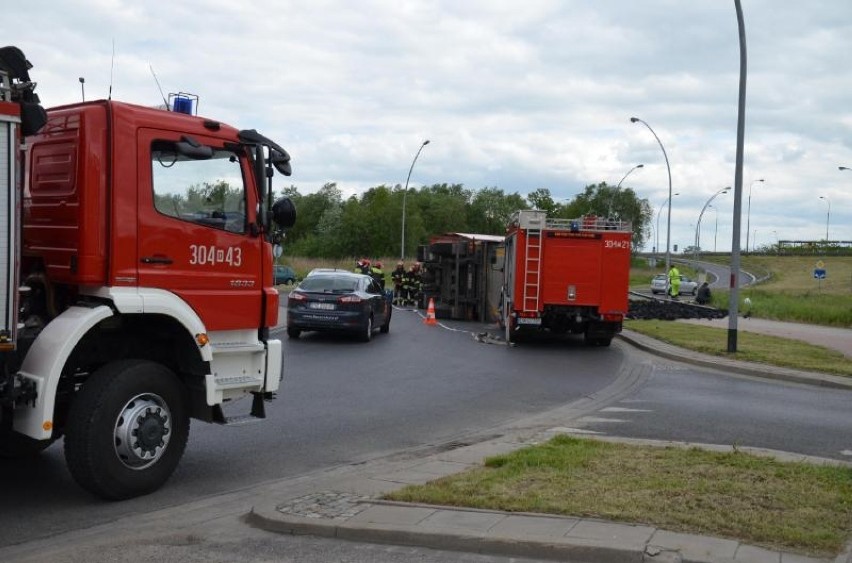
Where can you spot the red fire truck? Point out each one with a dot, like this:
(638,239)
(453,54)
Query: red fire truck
(565,276)
(136,282)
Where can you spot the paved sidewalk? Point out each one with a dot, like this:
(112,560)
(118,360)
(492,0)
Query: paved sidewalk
(839,339)
(349,508)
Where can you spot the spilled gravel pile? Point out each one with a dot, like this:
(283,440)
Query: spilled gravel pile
(646,309)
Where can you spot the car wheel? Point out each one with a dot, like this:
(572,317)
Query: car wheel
(367,330)
(127,429)
(293,333)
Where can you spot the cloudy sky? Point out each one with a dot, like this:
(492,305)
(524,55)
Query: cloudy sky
(513,95)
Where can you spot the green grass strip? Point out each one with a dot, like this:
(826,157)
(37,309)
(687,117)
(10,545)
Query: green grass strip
(761,501)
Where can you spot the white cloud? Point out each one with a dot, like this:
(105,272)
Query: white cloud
(517,97)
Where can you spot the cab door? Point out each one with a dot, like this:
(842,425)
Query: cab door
(196,229)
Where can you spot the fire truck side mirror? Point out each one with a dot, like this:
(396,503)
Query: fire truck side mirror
(281,162)
(284,213)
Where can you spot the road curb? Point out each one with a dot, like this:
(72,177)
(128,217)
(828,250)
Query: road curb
(267,517)
(671,352)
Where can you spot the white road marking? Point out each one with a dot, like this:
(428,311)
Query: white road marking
(624,409)
(594,419)
(565,430)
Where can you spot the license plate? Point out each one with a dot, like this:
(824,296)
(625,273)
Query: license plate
(322,306)
(528,321)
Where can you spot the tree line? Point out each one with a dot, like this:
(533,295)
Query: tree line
(370,224)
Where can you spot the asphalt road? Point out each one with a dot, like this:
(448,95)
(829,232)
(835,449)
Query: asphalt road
(342,402)
(683,403)
(415,389)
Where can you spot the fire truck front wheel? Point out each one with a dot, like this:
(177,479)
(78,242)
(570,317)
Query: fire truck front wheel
(127,429)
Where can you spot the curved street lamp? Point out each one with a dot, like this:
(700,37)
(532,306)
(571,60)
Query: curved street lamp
(716,228)
(669,170)
(700,215)
(615,191)
(827,215)
(404,194)
(657,232)
(748,215)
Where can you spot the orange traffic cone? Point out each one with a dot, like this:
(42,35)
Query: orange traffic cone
(430,313)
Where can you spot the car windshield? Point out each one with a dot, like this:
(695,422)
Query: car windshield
(329,284)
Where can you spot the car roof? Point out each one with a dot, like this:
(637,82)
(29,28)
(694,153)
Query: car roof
(335,273)
(331,271)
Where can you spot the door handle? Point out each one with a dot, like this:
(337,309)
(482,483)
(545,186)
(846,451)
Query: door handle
(156,260)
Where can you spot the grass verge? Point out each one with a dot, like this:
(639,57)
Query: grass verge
(751,347)
(760,501)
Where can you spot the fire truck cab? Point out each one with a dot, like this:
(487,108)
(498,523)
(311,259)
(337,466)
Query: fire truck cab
(137,282)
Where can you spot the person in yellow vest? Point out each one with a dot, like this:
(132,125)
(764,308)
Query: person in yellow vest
(377,273)
(674,282)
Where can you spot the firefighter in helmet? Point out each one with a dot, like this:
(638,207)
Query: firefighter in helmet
(412,284)
(377,273)
(362,266)
(397,277)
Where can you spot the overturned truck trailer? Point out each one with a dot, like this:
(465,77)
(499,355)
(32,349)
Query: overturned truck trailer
(461,273)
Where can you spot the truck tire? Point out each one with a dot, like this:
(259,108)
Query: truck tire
(127,429)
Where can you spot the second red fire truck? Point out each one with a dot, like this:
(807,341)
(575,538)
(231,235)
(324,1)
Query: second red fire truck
(565,275)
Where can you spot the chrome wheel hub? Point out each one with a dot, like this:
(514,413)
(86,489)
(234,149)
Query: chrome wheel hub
(142,431)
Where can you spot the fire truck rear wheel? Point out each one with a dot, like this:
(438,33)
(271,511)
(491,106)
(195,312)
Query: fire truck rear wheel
(127,429)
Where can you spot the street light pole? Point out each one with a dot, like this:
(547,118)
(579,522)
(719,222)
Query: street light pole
(404,195)
(736,239)
(716,228)
(615,191)
(657,232)
(703,209)
(827,215)
(748,214)
(669,170)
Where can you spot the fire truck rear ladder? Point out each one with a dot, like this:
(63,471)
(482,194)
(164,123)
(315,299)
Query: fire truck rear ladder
(532,271)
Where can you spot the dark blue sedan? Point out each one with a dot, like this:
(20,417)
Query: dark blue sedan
(339,301)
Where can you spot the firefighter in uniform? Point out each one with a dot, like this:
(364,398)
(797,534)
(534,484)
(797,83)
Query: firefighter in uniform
(412,284)
(408,283)
(362,266)
(378,274)
(397,276)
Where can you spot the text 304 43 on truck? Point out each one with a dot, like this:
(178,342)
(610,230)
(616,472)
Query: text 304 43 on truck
(136,283)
